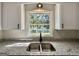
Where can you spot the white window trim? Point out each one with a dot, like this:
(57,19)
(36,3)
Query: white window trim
(57,17)
(22,17)
(51,22)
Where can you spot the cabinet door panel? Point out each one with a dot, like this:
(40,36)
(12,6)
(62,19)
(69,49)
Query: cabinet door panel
(70,16)
(0,15)
(10,15)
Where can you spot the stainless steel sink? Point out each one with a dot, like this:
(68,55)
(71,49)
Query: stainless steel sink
(34,47)
(44,47)
(47,47)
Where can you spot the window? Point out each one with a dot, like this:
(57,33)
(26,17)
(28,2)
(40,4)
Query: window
(40,22)
(54,20)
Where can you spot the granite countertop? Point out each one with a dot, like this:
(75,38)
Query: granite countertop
(19,48)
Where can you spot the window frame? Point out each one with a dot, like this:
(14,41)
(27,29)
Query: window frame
(51,24)
(57,17)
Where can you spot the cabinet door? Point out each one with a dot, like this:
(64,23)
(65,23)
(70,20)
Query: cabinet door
(10,15)
(0,15)
(69,16)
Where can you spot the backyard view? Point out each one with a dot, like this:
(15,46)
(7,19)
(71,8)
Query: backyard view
(39,22)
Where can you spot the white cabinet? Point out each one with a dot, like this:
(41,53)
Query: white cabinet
(0,15)
(10,16)
(67,16)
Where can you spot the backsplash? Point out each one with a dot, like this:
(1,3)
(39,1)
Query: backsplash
(70,34)
(1,34)
(78,34)
(58,34)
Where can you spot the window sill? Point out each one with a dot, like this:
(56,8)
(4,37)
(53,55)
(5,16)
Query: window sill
(38,35)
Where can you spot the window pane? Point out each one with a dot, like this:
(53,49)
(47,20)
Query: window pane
(39,18)
(39,22)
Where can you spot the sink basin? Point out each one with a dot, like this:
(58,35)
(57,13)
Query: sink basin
(35,47)
(47,47)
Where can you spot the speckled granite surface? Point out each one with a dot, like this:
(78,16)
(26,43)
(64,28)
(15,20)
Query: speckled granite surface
(9,48)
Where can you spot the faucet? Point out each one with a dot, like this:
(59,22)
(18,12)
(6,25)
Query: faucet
(40,37)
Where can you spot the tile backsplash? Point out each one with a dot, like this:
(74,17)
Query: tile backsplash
(58,34)
(1,34)
(70,34)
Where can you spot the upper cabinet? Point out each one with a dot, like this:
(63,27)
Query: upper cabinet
(68,17)
(0,14)
(11,16)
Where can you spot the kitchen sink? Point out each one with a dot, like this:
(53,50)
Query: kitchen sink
(37,47)
(34,47)
(47,47)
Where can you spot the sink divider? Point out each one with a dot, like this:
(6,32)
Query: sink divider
(40,48)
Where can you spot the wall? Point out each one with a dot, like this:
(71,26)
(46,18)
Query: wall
(65,34)
(22,35)
(11,12)
(1,34)
(14,34)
